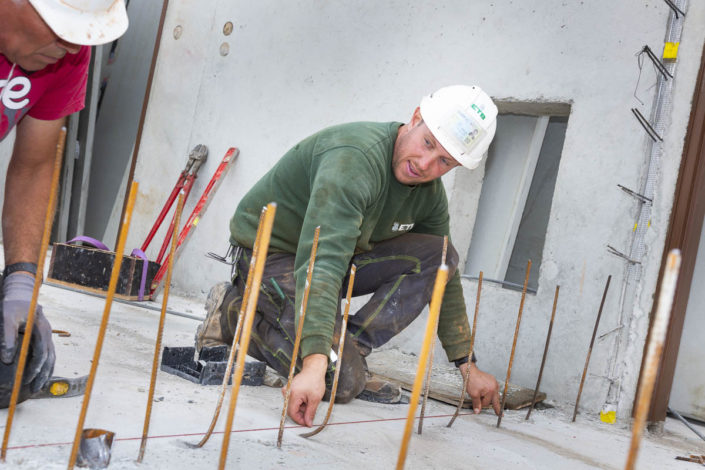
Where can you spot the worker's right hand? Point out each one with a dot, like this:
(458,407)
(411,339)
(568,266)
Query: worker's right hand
(482,388)
(307,389)
(17,291)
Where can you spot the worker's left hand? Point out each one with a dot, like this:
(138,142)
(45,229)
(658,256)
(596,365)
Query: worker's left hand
(482,388)
(17,291)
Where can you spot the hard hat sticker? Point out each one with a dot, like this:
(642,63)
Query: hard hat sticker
(465,129)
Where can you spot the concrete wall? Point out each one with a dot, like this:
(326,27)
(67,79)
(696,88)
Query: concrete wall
(295,67)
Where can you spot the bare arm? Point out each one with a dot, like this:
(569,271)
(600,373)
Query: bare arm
(27,186)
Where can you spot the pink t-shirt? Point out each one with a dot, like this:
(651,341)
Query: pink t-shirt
(50,93)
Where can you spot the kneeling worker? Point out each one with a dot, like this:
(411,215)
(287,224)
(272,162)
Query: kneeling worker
(375,191)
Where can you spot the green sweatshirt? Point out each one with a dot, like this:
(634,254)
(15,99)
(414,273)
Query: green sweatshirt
(341,179)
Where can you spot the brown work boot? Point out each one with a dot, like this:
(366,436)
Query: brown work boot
(209,333)
(379,390)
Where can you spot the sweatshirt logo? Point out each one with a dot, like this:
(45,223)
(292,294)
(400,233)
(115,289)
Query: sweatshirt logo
(397,227)
(14,96)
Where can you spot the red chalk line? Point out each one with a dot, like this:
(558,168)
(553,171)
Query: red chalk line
(380,420)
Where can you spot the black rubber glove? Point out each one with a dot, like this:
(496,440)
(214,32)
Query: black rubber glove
(17,294)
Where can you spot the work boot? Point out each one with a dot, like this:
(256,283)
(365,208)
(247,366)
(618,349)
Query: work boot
(209,333)
(380,390)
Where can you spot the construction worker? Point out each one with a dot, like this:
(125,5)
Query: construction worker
(44,58)
(375,191)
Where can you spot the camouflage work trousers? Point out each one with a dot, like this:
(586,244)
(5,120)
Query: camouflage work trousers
(399,273)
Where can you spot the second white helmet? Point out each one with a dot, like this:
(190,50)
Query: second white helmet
(84,22)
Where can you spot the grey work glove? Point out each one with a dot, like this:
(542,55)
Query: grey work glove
(17,291)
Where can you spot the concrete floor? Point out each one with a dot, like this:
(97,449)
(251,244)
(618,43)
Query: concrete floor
(361,434)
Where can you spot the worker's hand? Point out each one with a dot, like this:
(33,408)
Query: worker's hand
(17,294)
(307,389)
(482,388)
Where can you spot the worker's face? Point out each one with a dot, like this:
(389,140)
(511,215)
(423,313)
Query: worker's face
(36,46)
(418,156)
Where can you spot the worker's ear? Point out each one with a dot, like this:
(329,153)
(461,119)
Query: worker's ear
(416,117)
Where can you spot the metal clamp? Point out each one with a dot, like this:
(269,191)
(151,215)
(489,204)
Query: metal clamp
(675,8)
(228,254)
(640,197)
(655,60)
(616,252)
(646,125)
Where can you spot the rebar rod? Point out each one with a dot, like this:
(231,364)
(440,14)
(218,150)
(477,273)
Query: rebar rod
(104,322)
(592,342)
(427,386)
(434,311)
(236,337)
(514,344)
(685,421)
(247,328)
(545,353)
(160,331)
(299,329)
(461,399)
(654,352)
(341,345)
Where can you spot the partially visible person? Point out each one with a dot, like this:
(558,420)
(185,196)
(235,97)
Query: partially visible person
(44,58)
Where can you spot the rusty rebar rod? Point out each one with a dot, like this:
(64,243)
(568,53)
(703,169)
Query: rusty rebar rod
(247,328)
(29,322)
(341,345)
(445,250)
(514,344)
(160,330)
(104,322)
(299,329)
(464,387)
(592,342)
(429,336)
(234,346)
(654,352)
(545,353)
(427,386)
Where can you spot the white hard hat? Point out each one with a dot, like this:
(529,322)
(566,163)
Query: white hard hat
(463,119)
(84,22)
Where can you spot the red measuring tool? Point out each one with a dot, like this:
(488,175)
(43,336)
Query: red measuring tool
(196,158)
(196,214)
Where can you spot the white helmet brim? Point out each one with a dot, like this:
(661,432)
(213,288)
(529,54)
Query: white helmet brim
(84,22)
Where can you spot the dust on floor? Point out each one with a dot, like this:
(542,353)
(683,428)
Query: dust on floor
(360,434)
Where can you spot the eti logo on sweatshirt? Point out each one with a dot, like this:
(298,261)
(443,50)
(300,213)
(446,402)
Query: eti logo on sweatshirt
(397,227)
